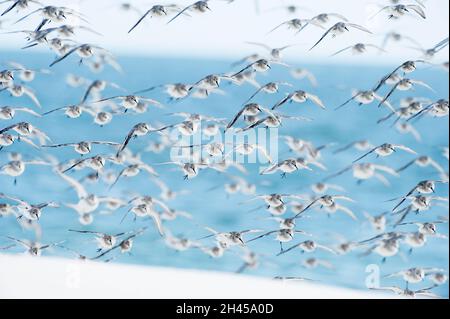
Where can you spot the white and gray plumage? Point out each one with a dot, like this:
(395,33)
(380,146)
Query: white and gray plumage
(300,96)
(410,293)
(247,149)
(302,73)
(97,86)
(359,48)
(199,6)
(423,187)
(16,168)
(104,241)
(418,203)
(230,238)
(129,101)
(261,65)
(283,235)
(155,11)
(124,245)
(422,161)
(414,275)
(397,37)
(96,163)
(426,228)
(8,113)
(323,18)
(308,246)
(378,222)
(340,28)
(440,108)
(386,149)
(429,53)
(269,88)
(139,129)
(399,10)
(407,128)
(19,90)
(404,85)
(27,74)
(251,109)
(27,210)
(19,5)
(71,111)
(84,51)
(365,97)
(83,147)
(53,13)
(133,170)
(275,53)
(365,171)
(34,249)
(297,24)
(360,145)
(325,201)
(406,68)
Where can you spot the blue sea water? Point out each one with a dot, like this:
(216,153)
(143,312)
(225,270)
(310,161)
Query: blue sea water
(214,208)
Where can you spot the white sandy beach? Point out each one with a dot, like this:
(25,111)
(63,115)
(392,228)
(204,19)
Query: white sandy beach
(49,278)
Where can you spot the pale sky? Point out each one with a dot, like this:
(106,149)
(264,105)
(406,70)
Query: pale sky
(222,33)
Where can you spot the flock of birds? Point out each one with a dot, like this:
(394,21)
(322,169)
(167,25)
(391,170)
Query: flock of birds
(118,161)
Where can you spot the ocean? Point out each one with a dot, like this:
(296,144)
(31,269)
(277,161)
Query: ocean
(206,200)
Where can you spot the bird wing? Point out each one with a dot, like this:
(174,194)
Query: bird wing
(126,141)
(157,220)
(65,55)
(342,50)
(405,148)
(81,191)
(180,13)
(366,154)
(316,100)
(323,37)
(32,96)
(27,110)
(8,128)
(139,21)
(289,249)
(347,211)
(359,27)
(417,9)
(283,101)
(263,235)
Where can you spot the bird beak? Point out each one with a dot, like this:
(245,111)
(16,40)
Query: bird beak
(346,29)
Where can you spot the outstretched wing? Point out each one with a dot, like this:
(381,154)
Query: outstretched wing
(323,37)
(65,55)
(139,21)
